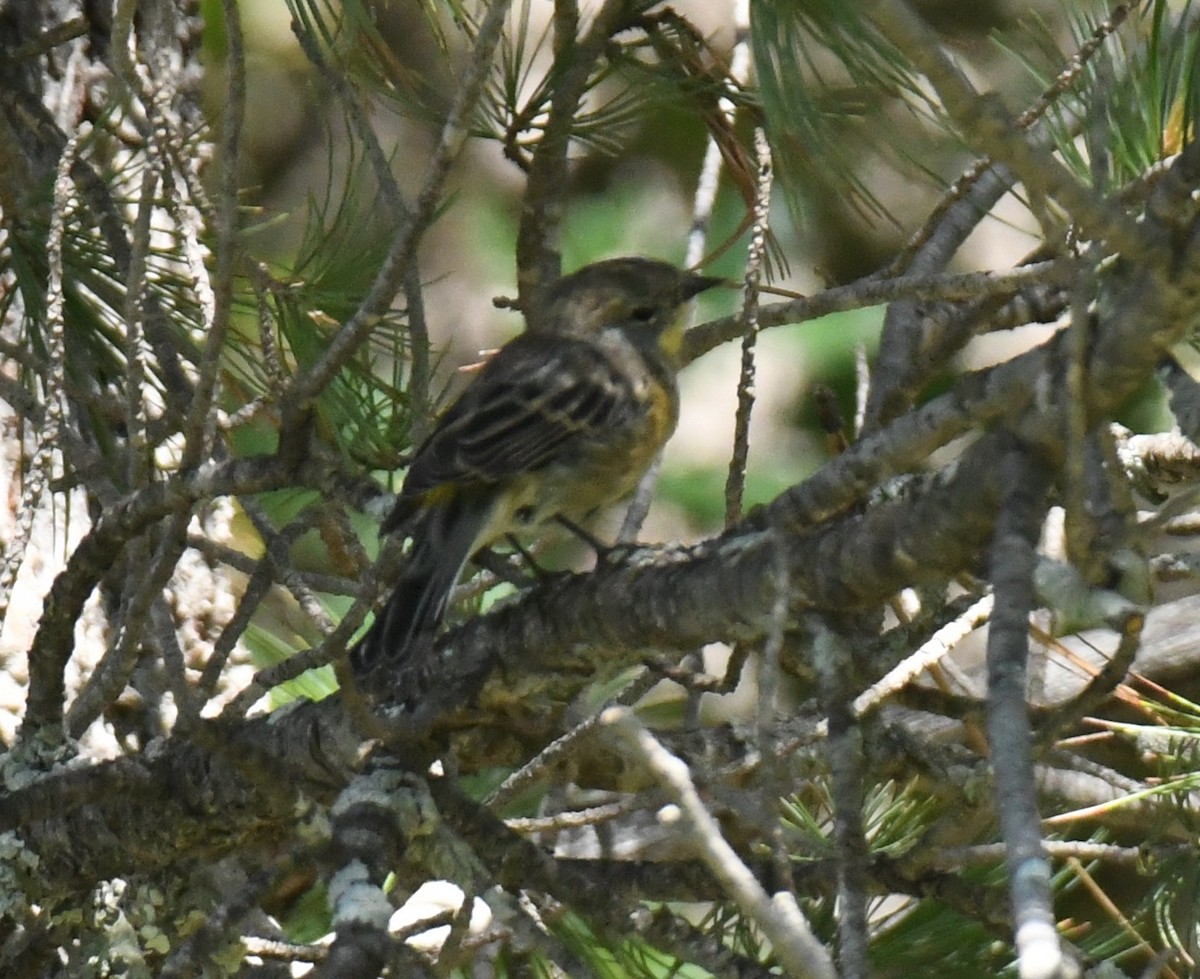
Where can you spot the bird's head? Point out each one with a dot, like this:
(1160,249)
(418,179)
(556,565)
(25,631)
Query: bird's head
(640,296)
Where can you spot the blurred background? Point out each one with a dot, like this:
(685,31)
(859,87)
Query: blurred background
(633,194)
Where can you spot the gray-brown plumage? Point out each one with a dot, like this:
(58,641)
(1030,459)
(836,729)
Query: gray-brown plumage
(561,421)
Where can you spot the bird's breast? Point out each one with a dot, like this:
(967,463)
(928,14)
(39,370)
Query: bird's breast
(603,466)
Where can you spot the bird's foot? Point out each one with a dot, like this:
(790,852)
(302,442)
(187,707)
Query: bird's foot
(506,567)
(606,554)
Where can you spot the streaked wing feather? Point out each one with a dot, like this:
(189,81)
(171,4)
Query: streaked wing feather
(522,412)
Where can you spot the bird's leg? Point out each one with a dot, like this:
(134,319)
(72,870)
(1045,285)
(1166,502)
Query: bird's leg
(504,569)
(537,569)
(605,553)
(586,536)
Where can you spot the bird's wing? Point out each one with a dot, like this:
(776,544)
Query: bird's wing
(524,410)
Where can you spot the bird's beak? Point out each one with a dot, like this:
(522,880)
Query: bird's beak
(693,285)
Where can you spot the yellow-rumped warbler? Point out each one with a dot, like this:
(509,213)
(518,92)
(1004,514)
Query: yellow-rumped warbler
(560,422)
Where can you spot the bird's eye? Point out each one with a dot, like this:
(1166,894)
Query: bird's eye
(643,314)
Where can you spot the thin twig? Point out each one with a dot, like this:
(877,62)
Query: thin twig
(844,749)
(1100,687)
(333,647)
(262,579)
(780,918)
(240,561)
(162,639)
(113,673)
(735,479)
(562,747)
(278,544)
(705,197)
(538,258)
(1158,968)
(417,390)
(137,352)
(871,291)
(710,170)
(578,818)
(966,186)
(389,190)
(204,396)
(419,398)
(985,121)
(776,782)
(50,38)
(388,281)
(1013,561)
(959,858)
(940,644)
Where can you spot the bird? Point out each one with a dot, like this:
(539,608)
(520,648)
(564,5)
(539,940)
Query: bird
(560,423)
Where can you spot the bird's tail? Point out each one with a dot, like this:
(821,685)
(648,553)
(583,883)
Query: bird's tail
(443,540)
